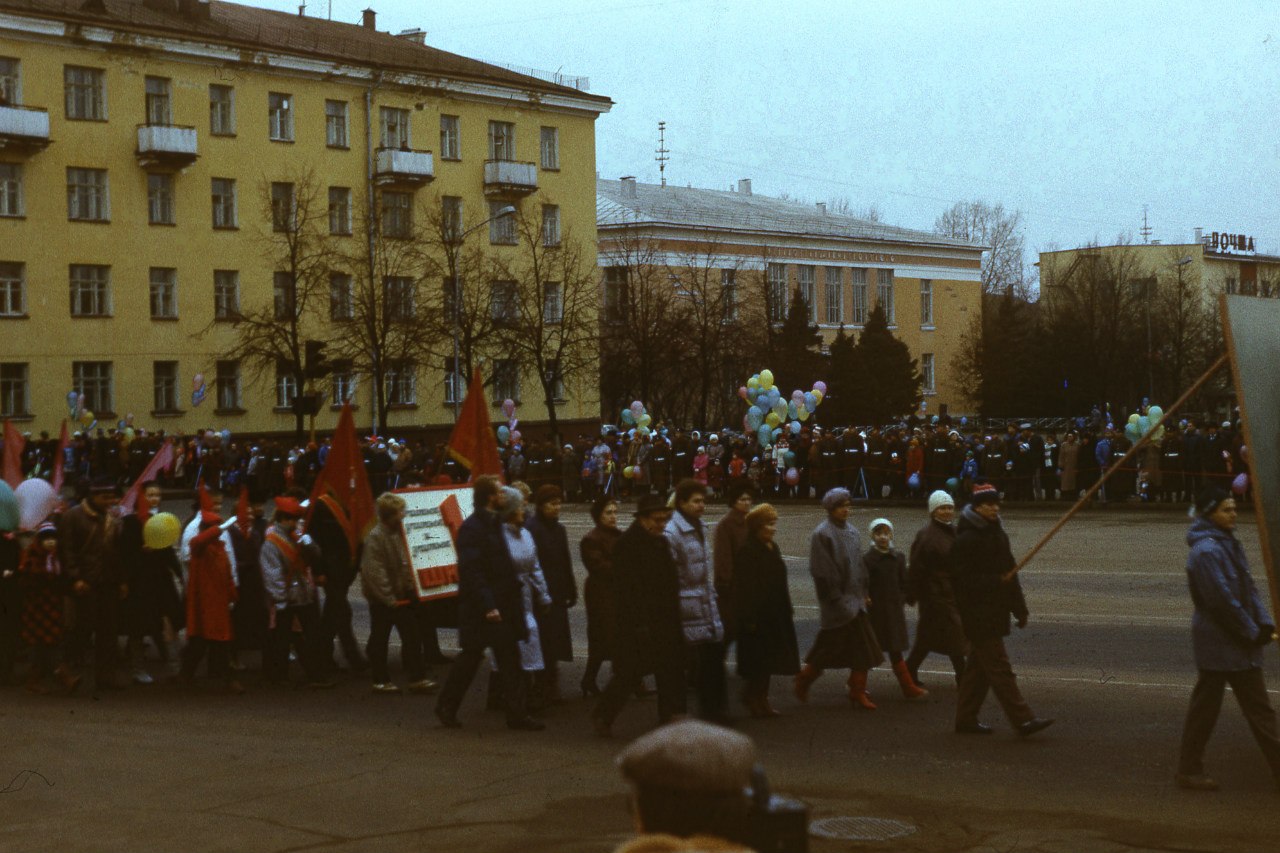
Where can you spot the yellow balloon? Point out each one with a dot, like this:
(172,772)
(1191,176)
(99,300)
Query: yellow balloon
(766,379)
(802,413)
(86,417)
(772,419)
(628,472)
(161,531)
(753,383)
(817,395)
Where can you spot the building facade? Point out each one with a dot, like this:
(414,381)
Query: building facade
(767,249)
(157,156)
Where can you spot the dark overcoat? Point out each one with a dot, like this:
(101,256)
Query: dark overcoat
(887,575)
(598,590)
(487,580)
(649,631)
(552,543)
(929,582)
(766,634)
(981,556)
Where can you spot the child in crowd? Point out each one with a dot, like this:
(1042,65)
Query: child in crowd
(887,572)
(44,590)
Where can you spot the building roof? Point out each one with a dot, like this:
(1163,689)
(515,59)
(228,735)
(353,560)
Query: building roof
(1209,254)
(727,210)
(267,29)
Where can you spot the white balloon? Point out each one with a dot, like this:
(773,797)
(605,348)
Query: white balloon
(36,501)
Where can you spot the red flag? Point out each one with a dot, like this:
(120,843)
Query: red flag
(163,460)
(60,462)
(244,515)
(343,484)
(472,442)
(13,445)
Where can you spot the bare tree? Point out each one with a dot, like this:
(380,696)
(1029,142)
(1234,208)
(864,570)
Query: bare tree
(843,206)
(1004,264)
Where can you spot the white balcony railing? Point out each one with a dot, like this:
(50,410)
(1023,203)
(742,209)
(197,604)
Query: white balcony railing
(511,176)
(402,164)
(167,140)
(24,124)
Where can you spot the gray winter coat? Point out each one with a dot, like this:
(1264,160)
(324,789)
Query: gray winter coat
(699,613)
(835,561)
(1231,623)
(386,575)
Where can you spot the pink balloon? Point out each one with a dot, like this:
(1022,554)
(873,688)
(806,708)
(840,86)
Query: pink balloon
(508,406)
(1240,484)
(792,477)
(797,396)
(515,437)
(742,392)
(820,386)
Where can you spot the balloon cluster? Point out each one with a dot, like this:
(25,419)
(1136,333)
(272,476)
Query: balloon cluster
(769,413)
(637,417)
(507,433)
(1140,425)
(27,506)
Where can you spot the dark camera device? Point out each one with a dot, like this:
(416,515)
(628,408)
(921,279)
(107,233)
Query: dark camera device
(775,824)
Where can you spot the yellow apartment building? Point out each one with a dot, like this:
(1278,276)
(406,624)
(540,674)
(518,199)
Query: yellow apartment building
(843,266)
(149,150)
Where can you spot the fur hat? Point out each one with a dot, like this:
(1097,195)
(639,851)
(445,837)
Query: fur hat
(691,756)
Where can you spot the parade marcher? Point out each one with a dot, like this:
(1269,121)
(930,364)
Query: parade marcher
(556,563)
(386,580)
(490,611)
(930,583)
(11,606)
(987,592)
(845,639)
(731,534)
(251,614)
(766,634)
(87,546)
(535,596)
(211,593)
(151,574)
(886,569)
(648,636)
(703,630)
(339,561)
(44,590)
(1229,630)
(286,560)
(597,549)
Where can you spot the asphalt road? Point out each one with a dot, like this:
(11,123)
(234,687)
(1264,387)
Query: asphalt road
(1107,653)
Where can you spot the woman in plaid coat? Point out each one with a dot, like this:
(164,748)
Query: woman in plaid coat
(44,590)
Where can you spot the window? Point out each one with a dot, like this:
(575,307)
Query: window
(502,140)
(454,388)
(777,284)
(339,210)
(728,296)
(502,229)
(807,281)
(283,296)
(15,390)
(335,124)
(12,290)
(93,380)
(859,317)
(283,208)
(222,110)
(88,199)
(343,378)
(10,189)
(506,380)
(926,302)
(615,294)
(398,296)
(395,127)
(926,371)
(165,385)
(835,295)
(286,385)
(341,306)
(550,224)
(550,148)
(280,116)
(884,295)
(224,202)
(450,138)
(502,302)
(401,382)
(86,93)
(164,293)
(228,383)
(160,199)
(397,214)
(451,218)
(10,81)
(1229,285)
(552,303)
(555,377)
(90,292)
(226,294)
(159,109)
(449,299)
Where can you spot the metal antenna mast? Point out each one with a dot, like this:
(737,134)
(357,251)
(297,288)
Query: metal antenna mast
(1145,230)
(662,152)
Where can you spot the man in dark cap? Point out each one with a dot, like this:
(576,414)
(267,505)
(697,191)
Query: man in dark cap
(987,592)
(87,545)
(648,636)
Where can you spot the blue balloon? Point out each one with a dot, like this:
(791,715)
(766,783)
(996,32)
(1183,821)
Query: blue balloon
(1144,425)
(504,434)
(774,396)
(789,458)
(627,417)
(764,435)
(810,401)
(792,412)
(913,481)
(795,427)
(964,422)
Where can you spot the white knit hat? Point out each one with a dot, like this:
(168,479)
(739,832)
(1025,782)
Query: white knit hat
(940,499)
(880,522)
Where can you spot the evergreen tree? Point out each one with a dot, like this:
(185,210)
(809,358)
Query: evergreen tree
(838,406)
(885,380)
(796,354)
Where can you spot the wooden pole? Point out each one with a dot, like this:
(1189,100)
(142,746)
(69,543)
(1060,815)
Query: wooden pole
(1138,445)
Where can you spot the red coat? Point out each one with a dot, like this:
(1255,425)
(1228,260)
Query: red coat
(210,588)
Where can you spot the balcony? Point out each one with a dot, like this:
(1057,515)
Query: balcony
(24,130)
(166,146)
(403,167)
(509,178)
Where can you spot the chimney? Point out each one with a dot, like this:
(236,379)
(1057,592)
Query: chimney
(1199,235)
(369,19)
(822,208)
(162,5)
(744,186)
(415,35)
(628,186)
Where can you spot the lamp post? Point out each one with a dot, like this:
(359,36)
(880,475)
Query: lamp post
(453,244)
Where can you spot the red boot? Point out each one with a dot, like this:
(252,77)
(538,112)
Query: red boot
(910,689)
(858,694)
(804,679)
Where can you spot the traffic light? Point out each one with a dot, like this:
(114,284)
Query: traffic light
(317,366)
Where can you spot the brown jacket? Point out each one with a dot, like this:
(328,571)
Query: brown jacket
(87,543)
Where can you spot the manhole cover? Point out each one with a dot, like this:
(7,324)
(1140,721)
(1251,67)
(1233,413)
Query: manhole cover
(860,828)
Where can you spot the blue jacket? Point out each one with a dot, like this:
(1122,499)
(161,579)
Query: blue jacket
(1230,618)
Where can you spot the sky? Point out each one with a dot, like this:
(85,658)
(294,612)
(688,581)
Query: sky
(1075,114)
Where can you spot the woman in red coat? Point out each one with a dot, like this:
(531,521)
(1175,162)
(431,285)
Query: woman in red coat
(211,592)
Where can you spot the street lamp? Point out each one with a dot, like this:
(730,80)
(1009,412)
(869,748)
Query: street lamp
(453,244)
